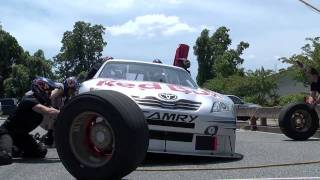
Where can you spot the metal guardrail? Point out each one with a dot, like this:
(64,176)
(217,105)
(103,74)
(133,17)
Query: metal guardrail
(263,114)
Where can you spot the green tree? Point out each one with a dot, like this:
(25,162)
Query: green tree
(310,56)
(213,56)
(23,73)
(10,53)
(263,86)
(18,83)
(229,62)
(38,65)
(82,76)
(202,49)
(235,84)
(81,48)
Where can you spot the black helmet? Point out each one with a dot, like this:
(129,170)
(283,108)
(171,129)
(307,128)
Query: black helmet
(41,88)
(157,61)
(186,64)
(70,85)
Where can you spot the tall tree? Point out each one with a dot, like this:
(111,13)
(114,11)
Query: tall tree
(229,62)
(214,57)
(202,49)
(310,56)
(10,53)
(81,48)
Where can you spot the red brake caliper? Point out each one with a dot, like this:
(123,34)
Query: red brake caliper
(93,149)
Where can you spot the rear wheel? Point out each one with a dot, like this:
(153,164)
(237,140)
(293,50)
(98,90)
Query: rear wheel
(298,121)
(101,135)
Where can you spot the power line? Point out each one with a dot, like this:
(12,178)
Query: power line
(310,5)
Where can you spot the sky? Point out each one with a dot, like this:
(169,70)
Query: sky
(149,29)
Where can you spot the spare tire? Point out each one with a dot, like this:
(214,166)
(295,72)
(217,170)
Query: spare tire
(298,121)
(101,135)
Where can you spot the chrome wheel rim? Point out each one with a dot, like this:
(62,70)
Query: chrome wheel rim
(301,120)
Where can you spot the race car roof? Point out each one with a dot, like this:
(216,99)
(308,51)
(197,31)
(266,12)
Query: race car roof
(144,62)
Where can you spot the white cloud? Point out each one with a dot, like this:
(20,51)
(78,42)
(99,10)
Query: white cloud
(151,25)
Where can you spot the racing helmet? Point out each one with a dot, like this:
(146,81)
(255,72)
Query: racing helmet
(41,88)
(157,61)
(107,58)
(186,64)
(70,85)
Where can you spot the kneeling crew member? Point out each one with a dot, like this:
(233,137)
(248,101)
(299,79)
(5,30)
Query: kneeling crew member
(28,115)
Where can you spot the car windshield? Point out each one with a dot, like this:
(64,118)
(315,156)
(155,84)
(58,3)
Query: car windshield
(135,71)
(236,100)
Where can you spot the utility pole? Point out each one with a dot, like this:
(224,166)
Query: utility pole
(310,5)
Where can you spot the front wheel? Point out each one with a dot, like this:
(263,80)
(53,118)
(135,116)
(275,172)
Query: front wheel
(101,135)
(298,121)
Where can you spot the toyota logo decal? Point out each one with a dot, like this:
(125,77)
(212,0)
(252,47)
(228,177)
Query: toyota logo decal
(168,96)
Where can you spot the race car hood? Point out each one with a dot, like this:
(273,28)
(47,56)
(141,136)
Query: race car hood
(166,92)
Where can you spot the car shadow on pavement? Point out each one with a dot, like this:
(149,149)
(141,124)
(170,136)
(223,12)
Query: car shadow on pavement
(36,161)
(153,160)
(291,140)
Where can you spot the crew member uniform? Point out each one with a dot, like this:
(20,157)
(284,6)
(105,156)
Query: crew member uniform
(15,130)
(315,86)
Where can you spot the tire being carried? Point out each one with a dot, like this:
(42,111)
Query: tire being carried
(101,135)
(298,121)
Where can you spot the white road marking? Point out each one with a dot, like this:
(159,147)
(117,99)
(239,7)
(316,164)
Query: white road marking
(286,178)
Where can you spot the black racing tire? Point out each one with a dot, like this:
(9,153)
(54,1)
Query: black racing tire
(297,112)
(127,126)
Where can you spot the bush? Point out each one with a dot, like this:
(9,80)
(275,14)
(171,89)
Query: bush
(292,98)
(258,87)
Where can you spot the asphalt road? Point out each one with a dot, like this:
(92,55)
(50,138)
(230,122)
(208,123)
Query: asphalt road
(265,156)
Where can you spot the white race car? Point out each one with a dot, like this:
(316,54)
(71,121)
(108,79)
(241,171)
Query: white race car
(130,108)
(182,118)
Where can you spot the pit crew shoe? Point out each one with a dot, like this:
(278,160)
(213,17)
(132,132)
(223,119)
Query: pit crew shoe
(5,158)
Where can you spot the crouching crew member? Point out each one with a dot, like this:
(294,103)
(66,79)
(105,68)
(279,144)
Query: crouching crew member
(28,115)
(59,97)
